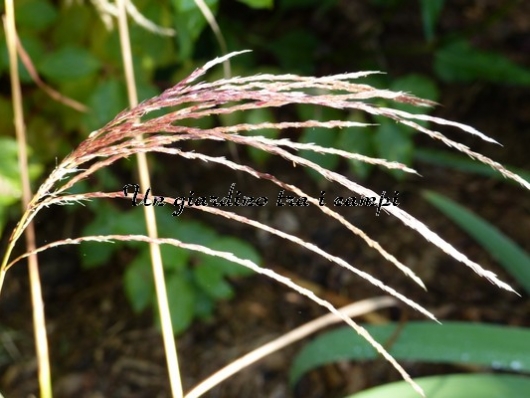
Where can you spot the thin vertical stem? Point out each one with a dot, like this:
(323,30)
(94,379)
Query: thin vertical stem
(156,257)
(39,321)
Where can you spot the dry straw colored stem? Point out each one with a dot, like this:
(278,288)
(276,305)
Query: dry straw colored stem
(39,320)
(136,131)
(351,310)
(150,220)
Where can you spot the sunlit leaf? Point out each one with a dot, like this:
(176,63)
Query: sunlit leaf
(492,346)
(258,3)
(453,386)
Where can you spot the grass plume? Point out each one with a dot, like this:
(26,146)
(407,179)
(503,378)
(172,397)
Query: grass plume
(194,99)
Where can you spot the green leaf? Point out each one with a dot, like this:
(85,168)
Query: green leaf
(181,298)
(430,12)
(75,25)
(394,143)
(236,246)
(107,100)
(94,254)
(498,347)
(33,47)
(454,386)
(191,231)
(357,140)
(211,279)
(34,15)
(152,49)
(515,260)
(256,116)
(258,3)
(189,23)
(204,305)
(10,180)
(109,220)
(295,50)
(418,85)
(323,137)
(175,259)
(465,164)
(138,282)
(68,63)
(211,271)
(459,62)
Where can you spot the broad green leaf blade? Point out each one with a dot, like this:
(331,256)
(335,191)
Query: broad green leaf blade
(107,100)
(459,62)
(360,141)
(418,85)
(189,22)
(138,282)
(210,272)
(68,63)
(325,138)
(211,279)
(35,50)
(455,386)
(295,50)
(258,3)
(188,231)
(74,25)
(515,260)
(498,347)
(175,259)
(257,116)
(394,143)
(239,248)
(465,164)
(10,180)
(36,15)
(181,299)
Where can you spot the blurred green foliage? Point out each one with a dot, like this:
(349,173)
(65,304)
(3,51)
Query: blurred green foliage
(456,385)
(76,53)
(10,181)
(453,60)
(194,280)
